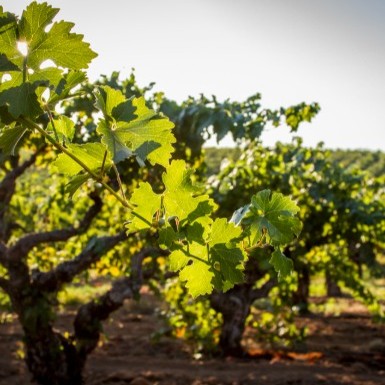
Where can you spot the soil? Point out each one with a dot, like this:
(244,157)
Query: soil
(344,349)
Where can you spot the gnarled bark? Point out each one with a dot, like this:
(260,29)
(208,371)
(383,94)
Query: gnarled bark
(235,306)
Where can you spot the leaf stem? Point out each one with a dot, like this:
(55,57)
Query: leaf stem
(32,125)
(25,69)
(103,164)
(52,122)
(119,181)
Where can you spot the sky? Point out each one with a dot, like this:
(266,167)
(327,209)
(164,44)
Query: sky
(330,51)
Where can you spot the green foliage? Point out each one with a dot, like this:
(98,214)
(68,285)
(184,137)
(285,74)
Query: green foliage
(208,252)
(130,128)
(194,321)
(58,44)
(372,162)
(342,210)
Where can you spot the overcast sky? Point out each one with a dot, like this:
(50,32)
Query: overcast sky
(329,51)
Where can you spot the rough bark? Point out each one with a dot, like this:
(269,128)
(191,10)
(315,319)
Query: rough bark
(3,254)
(332,288)
(7,189)
(52,358)
(25,244)
(4,284)
(235,306)
(65,272)
(301,295)
(88,321)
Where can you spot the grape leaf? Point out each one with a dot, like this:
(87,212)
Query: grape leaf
(66,84)
(206,253)
(8,41)
(64,127)
(239,214)
(226,257)
(282,265)
(198,278)
(75,183)
(177,260)
(58,44)
(9,139)
(272,215)
(130,128)
(223,232)
(147,204)
(91,154)
(21,100)
(114,105)
(214,261)
(181,197)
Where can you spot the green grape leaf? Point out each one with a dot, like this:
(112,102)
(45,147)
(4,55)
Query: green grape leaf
(64,127)
(130,128)
(11,56)
(282,265)
(228,266)
(21,100)
(66,84)
(181,197)
(272,216)
(147,204)
(114,105)
(116,146)
(9,139)
(52,77)
(226,258)
(44,41)
(58,44)
(6,65)
(75,183)
(177,260)
(223,232)
(198,278)
(208,252)
(91,154)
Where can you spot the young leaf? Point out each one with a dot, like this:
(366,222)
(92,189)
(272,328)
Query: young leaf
(147,204)
(215,257)
(282,265)
(272,215)
(57,44)
(130,128)
(64,128)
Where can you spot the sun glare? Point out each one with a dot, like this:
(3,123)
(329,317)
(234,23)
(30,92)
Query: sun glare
(22,46)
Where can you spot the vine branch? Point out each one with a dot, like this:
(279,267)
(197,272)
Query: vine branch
(25,244)
(65,272)
(4,284)
(98,178)
(88,320)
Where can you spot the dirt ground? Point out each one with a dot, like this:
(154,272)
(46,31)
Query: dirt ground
(348,349)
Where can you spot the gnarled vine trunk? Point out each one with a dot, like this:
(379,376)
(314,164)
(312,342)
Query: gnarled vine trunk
(235,306)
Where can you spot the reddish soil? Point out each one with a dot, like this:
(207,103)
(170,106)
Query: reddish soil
(348,349)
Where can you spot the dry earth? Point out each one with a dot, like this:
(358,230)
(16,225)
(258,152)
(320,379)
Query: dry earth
(348,349)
